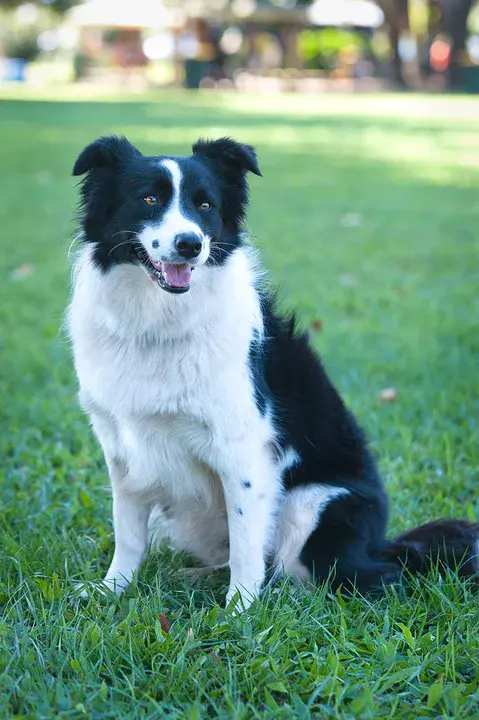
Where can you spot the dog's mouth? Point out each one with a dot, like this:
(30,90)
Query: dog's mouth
(172,277)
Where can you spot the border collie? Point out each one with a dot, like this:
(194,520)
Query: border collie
(220,428)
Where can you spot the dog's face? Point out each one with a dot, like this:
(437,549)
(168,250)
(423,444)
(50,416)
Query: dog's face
(167,214)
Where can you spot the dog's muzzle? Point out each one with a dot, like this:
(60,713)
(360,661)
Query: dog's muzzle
(172,277)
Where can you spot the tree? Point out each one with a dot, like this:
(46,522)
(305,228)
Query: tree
(396,13)
(445,16)
(454,20)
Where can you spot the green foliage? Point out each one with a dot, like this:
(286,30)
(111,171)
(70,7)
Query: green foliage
(320,49)
(20,42)
(19,39)
(367,216)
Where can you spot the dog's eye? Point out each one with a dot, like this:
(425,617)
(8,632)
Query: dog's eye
(204,205)
(150,200)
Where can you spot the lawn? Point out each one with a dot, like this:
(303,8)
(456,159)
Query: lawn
(367,217)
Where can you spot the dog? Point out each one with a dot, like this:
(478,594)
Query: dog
(220,428)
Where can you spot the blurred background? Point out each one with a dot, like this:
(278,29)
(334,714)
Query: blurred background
(305,46)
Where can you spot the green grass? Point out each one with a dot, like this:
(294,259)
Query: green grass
(367,216)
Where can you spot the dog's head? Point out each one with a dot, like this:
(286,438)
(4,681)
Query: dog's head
(168,214)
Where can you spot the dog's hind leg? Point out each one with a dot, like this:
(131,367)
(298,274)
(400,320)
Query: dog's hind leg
(199,528)
(347,546)
(299,515)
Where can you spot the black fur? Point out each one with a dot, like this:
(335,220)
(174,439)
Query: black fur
(288,377)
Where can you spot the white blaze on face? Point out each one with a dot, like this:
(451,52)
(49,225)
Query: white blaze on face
(172,223)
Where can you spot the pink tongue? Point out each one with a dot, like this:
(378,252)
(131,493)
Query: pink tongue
(177,275)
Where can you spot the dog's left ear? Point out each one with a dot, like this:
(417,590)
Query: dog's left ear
(231,156)
(107,151)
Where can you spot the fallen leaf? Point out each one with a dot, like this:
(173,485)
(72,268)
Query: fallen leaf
(22,272)
(215,658)
(164,622)
(388,395)
(316,325)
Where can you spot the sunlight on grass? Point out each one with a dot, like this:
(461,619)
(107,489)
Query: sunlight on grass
(424,108)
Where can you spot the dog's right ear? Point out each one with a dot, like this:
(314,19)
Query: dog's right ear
(232,157)
(107,151)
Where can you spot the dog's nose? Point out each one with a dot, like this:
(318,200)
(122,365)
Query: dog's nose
(188,245)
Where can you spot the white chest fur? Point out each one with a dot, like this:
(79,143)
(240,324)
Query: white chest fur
(165,378)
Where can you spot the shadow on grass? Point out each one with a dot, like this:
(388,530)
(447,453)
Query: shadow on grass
(190,113)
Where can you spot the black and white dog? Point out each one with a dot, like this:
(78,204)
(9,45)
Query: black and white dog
(219,425)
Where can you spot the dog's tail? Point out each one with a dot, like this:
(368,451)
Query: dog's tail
(451,543)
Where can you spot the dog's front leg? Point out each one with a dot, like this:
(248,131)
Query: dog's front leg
(130,512)
(130,520)
(251,489)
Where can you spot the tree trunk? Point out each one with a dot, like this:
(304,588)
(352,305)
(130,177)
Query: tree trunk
(397,19)
(455,20)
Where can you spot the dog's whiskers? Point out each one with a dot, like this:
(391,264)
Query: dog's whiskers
(227,244)
(73,243)
(133,243)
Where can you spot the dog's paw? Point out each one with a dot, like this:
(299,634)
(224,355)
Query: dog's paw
(237,602)
(88,590)
(79,591)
